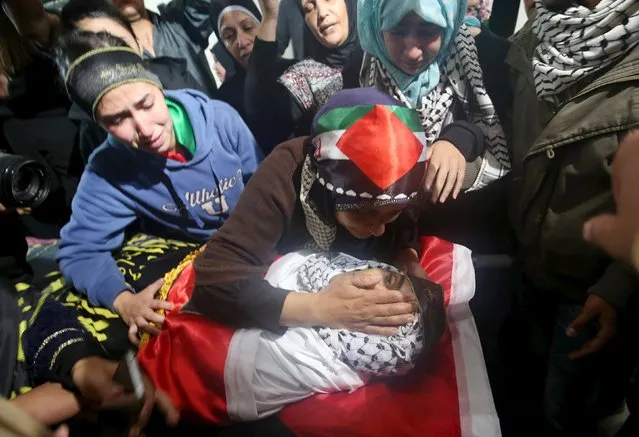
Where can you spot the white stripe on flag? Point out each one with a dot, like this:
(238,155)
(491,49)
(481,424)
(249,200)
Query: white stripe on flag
(327,144)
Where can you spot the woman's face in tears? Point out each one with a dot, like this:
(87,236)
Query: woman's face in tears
(238,32)
(413,44)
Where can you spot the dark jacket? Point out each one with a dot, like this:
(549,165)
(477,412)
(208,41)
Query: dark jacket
(561,175)
(181,30)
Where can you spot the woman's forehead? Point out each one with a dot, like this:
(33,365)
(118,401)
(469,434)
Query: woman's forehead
(414,20)
(233,18)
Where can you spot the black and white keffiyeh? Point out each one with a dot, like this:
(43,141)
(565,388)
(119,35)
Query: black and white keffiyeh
(579,41)
(323,230)
(372,355)
(461,82)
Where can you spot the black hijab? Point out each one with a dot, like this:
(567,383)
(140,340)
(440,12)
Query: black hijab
(232,90)
(219,8)
(339,57)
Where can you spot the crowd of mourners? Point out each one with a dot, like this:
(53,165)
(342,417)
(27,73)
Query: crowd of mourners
(348,127)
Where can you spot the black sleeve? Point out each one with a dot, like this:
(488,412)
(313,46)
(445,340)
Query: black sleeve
(283,31)
(271,112)
(9,336)
(467,137)
(55,342)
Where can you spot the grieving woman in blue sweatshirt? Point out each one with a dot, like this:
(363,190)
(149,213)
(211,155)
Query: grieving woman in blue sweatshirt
(175,161)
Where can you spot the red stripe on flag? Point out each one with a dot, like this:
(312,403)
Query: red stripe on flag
(425,402)
(188,358)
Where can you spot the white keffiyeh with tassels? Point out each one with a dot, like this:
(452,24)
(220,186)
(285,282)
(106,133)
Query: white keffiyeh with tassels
(579,41)
(461,82)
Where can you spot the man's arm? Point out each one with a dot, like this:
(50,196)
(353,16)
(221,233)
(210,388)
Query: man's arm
(32,20)
(49,404)
(100,216)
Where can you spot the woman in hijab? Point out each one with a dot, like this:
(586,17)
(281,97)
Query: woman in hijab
(236,25)
(419,53)
(90,19)
(290,99)
(349,187)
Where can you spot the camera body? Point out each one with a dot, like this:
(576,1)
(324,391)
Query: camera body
(24,183)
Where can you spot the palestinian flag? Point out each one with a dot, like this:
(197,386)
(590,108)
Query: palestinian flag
(202,366)
(375,152)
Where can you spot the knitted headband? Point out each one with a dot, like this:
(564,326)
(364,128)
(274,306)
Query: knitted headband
(99,71)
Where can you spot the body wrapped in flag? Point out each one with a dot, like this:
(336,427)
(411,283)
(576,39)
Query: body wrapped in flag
(219,375)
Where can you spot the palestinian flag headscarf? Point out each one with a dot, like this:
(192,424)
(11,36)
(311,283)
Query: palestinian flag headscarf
(366,150)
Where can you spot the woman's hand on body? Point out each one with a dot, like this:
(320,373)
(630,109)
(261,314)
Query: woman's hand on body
(359,301)
(20,211)
(139,310)
(445,172)
(356,301)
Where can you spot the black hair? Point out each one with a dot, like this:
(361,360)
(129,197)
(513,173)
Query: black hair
(78,10)
(75,43)
(558,5)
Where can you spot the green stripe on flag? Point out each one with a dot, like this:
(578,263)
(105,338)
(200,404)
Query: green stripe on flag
(409,117)
(343,118)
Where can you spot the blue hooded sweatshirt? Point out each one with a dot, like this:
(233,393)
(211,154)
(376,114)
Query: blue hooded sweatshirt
(187,201)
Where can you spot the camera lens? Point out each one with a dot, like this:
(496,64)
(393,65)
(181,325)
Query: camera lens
(23,183)
(27,183)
